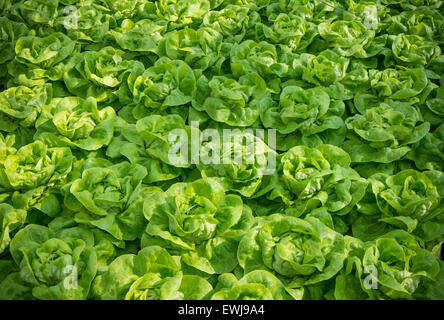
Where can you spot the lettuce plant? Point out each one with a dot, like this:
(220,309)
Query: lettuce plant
(400,262)
(109,198)
(258,285)
(39,58)
(319,177)
(305,116)
(198,221)
(387,130)
(20,106)
(152,274)
(240,168)
(74,122)
(11,31)
(299,251)
(45,257)
(96,73)
(236,103)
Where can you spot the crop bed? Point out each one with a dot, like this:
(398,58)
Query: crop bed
(118,181)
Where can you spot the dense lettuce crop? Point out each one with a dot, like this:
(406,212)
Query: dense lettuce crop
(221,149)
